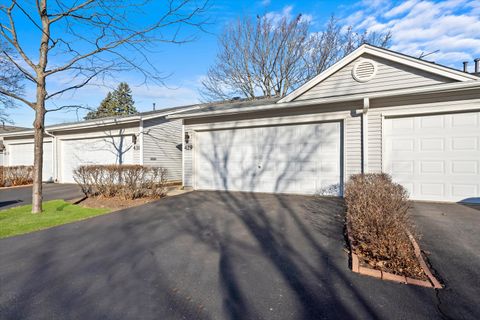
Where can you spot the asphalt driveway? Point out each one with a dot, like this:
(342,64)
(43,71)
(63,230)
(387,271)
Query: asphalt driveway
(205,255)
(11,197)
(451,236)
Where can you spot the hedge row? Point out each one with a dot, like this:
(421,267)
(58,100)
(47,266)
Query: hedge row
(129,181)
(15,175)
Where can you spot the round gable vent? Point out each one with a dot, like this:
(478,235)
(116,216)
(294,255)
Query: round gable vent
(364,70)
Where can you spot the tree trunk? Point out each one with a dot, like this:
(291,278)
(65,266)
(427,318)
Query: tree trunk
(39,123)
(39,130)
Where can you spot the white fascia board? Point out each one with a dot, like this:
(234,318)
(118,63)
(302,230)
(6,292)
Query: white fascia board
(76,126)
(168,113)
(447,87)
(385,54)
(420,64)
(94,124)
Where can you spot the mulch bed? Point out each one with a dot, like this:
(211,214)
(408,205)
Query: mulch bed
(114,203)
(417,273)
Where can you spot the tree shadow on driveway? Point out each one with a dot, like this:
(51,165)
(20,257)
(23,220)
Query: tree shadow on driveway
(202,255)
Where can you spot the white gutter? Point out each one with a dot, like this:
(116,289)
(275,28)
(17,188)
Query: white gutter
(95,124)
(76,126)
(156,115)
(474,84)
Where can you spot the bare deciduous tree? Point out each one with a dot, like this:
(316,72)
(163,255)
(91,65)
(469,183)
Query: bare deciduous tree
(335,42)
(10,80)
(267,57)
(86,41)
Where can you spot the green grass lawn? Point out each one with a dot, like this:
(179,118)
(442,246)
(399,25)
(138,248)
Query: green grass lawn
(20,220)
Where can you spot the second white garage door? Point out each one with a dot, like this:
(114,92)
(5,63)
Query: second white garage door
(22,155)
(108,150)
(302,159)
(435,157)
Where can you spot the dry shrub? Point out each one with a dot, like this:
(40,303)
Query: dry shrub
(2,176)
(377,211)
(128,181)
(16,175)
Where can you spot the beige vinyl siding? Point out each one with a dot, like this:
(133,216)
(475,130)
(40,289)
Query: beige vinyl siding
(374,142)
(188,161)
(136,154)
(390,75)
(353,145)
(162,145)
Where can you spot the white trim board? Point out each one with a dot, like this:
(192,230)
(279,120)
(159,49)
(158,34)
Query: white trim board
(273,121)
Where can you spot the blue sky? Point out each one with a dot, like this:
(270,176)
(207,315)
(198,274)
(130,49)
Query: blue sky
(452,27)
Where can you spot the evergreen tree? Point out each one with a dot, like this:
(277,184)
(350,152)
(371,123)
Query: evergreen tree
(105,109)
(122,97)
(120,102)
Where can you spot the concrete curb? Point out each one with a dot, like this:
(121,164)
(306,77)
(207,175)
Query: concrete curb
(15,187)
(431,283)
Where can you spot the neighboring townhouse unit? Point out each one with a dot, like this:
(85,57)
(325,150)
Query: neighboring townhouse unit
(6,129)
(375,110)
(147,138)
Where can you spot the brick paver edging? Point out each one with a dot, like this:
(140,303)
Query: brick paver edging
(431,283)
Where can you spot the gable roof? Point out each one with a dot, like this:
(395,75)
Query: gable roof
(6,128)
(461,86)
(385,54)
(106,121)
(227,106)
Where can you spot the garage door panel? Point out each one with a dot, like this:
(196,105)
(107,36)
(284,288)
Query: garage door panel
(23,155)
(465,190)
(464,119)
(464,167)
(284,159)
(109,150)
(432,145)
(435,157)
(465,143)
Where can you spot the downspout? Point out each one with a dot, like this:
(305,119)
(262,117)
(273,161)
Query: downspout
(142,156)
(182,140)
(366,107)
(54,155)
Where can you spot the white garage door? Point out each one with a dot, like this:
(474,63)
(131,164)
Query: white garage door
(303,159)
(22,155)
(435,157)
(108,150)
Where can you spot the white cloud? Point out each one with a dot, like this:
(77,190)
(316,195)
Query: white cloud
(265,2)
(287,13)
(400,8)
(452,27)
(277,16)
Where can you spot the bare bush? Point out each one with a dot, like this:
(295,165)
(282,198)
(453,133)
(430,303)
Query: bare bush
(128,181)
(377,212)
(16,175)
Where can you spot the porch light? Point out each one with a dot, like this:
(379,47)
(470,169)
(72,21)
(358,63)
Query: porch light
(188,145)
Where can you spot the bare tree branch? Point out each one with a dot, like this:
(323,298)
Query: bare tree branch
(13,40)
(17,97)
(91,39)
(270,57)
